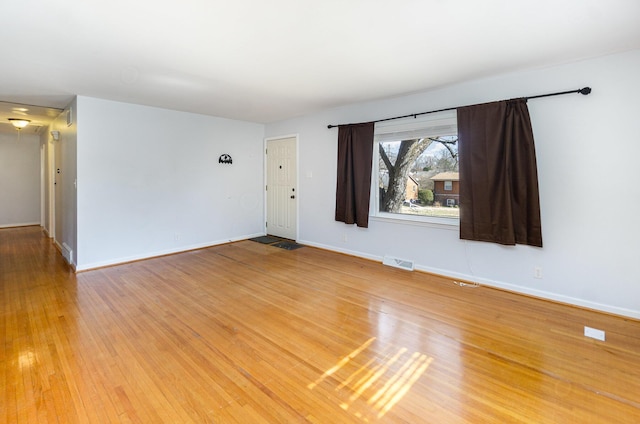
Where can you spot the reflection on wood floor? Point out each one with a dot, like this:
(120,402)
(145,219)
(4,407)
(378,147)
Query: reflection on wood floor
(249,333)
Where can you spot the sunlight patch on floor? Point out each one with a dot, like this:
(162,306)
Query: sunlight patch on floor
(372,389)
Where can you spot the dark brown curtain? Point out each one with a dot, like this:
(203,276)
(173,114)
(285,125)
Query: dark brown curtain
(499,199)
(355,155)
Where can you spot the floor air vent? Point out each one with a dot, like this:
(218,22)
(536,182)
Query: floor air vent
(398,263)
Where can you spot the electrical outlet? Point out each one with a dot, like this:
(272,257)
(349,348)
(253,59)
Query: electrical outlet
(344,238)
(594,333)
(537,272)
(176,236)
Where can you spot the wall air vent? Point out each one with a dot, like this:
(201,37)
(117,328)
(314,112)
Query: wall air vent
(398,263)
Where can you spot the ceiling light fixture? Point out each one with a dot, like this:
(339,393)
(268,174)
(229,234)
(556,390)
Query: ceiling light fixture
(19,123)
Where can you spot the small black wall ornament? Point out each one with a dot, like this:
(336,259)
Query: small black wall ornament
(225,158)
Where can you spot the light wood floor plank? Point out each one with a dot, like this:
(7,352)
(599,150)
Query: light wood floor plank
(249,333)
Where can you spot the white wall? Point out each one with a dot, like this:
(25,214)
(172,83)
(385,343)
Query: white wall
(19,180)
(587,150)
(149,181)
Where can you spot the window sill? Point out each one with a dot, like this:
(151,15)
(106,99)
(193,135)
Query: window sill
(419,221)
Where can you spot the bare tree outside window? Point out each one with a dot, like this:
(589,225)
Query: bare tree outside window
(404,163)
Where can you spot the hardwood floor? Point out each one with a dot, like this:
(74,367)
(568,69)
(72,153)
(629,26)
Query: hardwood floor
(248,333)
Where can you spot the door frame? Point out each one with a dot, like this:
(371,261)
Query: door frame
(264,182)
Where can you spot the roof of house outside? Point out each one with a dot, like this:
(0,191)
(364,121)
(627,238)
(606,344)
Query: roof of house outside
(446,176)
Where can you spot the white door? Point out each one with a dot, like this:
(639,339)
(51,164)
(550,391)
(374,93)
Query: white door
(58,235)
(282,193)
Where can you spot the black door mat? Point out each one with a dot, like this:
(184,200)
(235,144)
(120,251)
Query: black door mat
(288,245)
(266,239)
(277,242)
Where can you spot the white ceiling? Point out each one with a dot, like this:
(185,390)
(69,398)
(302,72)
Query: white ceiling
(264,61)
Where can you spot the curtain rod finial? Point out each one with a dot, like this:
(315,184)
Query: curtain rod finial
(585,90)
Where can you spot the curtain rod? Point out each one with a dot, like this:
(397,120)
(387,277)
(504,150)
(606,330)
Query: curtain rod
(583,91)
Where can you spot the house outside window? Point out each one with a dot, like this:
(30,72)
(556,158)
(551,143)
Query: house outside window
(446,190)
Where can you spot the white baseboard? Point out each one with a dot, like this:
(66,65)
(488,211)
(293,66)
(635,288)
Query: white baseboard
(67,253)
(532,292)
(23,224)
(345,251)
(118,261)
(496,284)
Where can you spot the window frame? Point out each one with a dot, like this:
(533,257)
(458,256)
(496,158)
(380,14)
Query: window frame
(430,125)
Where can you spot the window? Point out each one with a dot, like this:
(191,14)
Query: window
(414,155)
(451,202)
